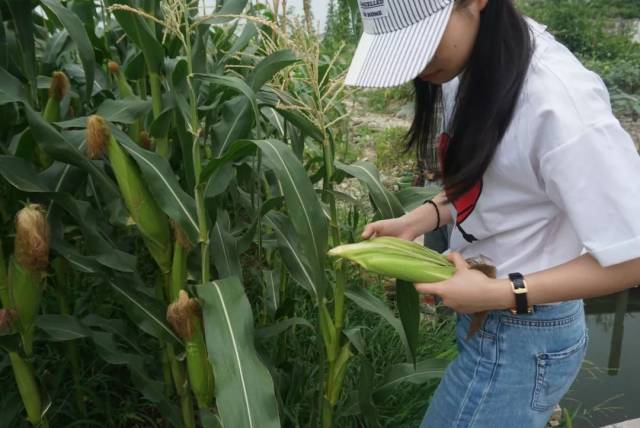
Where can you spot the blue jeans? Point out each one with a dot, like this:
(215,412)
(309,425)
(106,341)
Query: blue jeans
(513,372)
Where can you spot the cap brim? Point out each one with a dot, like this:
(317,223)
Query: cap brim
(392,59)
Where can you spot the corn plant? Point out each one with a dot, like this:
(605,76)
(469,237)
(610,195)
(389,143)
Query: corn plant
(182,169)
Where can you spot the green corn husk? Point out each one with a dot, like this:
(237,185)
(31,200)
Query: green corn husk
(185,317)
(24,286)
(121,80)
(25,294)
(408,261)
(145,212)
(397,258)
(4,281)
(27,268)
(134,130)
(27,387)
(57,91)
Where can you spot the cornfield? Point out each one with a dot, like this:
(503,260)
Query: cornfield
(168,184)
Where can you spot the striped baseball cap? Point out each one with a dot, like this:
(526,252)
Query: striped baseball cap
(399,40)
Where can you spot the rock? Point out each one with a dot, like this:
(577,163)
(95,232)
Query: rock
(556,417)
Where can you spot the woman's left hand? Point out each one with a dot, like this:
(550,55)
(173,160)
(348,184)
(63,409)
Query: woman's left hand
(468,290)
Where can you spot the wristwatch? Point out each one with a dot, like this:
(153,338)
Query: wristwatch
(520,291)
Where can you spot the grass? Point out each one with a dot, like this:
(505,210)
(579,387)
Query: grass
(595,32)
(389,147)
(294,355)
(387,100)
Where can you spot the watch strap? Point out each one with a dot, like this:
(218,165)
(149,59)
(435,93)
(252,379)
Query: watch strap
(520,292)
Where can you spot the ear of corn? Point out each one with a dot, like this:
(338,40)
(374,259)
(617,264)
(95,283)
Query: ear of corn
(27,387)
(135,129)
(181,248)
(185,317)
(26,269)
(145,212)
(121,80)
(397,258)
(25,294)
(57,91)
(408,261)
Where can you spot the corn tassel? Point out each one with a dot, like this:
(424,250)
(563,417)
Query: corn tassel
(409,261)
(185,317)
(145,212)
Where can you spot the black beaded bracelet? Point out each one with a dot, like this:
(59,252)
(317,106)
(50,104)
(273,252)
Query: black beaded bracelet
(437,213)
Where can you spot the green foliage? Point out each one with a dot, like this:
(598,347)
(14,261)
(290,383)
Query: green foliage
(343,27)
(594,32)
(389,146)
(229,134)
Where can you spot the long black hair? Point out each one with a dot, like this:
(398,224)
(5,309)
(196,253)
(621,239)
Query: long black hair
(486,99)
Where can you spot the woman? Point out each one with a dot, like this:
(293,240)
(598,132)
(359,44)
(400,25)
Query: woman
(539,177)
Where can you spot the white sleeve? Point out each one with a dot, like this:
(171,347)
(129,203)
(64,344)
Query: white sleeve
(595,179)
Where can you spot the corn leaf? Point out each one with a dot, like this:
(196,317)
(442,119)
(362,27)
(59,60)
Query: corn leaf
(304,208)
(269,66)
(408,301)
(61,328)
(79,35)
(236,121)
(141,34)
(385,202)
(125,111)
(398,374)
(291,252)
(238,150)
(21,12)
(236,84)
(4,47)
(11,89)
(22,175)
(229,7)
(244,389)
(143,309)
(365,388)
(224,247)
(61,149)
(412,197)
(271,289)
(367,301)
(279,327)
(271,96)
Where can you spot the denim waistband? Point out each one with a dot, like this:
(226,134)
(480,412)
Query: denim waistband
(546,316)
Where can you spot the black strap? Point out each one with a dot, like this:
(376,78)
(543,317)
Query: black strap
(522,305)
(437,213)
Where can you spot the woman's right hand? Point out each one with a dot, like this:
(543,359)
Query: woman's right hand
(396,227)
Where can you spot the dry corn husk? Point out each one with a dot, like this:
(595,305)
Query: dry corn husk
(409,261)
